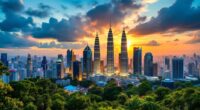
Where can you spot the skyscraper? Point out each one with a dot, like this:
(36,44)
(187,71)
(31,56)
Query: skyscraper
(148,64)
(177,68)
(29,66)
(87,62)
(4,59)
(137,60)
(167,62)
(124,54)
(60,67)
(44,66)
(155,69)
(110,53)
(97,55)
(77,72)
(69,58)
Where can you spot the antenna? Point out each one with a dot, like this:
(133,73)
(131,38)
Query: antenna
(110,22)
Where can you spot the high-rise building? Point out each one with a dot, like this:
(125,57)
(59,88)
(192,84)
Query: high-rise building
(192,69)
(60,67)
(69,58)
(14,75)
(29,66)
(44,66)
(148,64)
(124,54)
(155,69)
(177,68)
(110,53)
(167,62)
(4,59)
(87,62)
(77,72)
(97,55)
(137,60)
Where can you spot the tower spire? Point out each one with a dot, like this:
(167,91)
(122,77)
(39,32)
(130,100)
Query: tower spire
(110,23)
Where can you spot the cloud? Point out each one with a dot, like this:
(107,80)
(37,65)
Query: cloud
(194,40)
(152,43)
(117,10)
(64,30)
(9,40)
(13,20)
(179,17)
(176,40)
(43,11)
(11,5)
(63,45)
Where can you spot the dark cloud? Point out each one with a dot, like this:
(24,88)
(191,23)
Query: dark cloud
(116,10)
(152,43)
(43,11)
(11,5)
(38,13)
(64,30)
(141,19)
(9,40)
(179,17)
(15,22)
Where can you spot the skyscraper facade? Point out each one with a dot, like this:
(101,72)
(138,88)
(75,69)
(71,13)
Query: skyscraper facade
(44,66)
(148,64)
(77,72)
(167,62)
(87,62)
(110,53)
(29,66)
(4,59)
(97,55)
(60,67)
(177,68)
(124,54)
(137,60)
(69,57)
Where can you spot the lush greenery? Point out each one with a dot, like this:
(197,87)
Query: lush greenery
(44,94)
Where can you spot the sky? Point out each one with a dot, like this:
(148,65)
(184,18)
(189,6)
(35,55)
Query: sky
(50,27)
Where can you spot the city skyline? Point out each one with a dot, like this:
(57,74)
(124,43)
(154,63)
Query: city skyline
(74,30)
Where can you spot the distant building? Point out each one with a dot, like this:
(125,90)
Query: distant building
(29,66)
(167,62)
(14,75)
(60,67)
(77,73)
(97,55)
(137,60)
(155,69)
(4,59)
(124,54)
(71,57)
(177,68)
(191,69)
(87,61)
(148,64)
(44,66)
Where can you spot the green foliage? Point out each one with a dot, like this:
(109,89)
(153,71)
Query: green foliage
(43,94)
(3,69)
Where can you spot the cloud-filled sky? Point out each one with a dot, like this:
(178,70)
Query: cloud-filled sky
(164,27)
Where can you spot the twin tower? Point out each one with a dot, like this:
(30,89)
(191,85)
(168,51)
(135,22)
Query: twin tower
(123,56)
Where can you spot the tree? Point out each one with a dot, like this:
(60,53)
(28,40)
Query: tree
(30,106)
(161,92)
(3,69)
(144,88)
